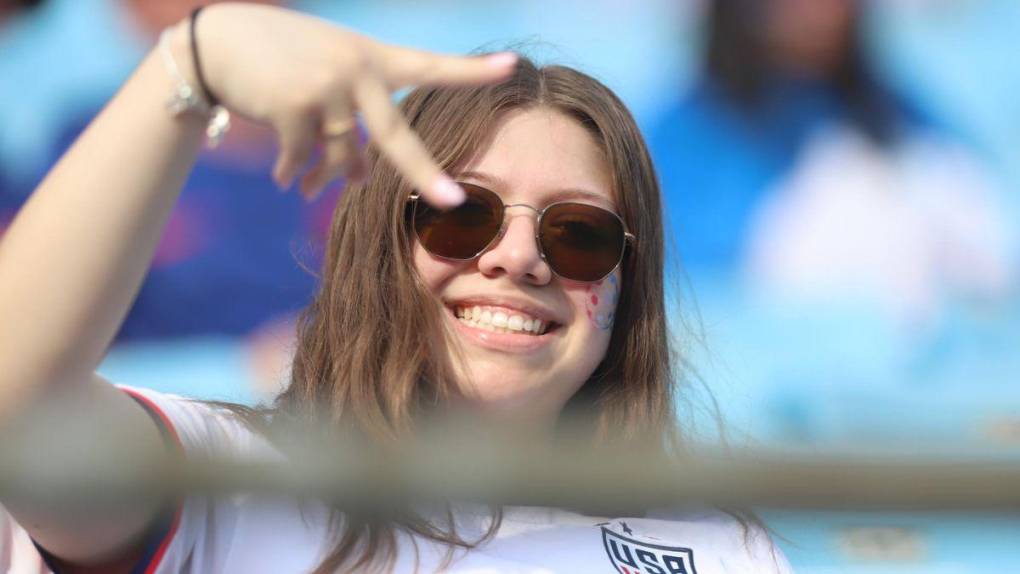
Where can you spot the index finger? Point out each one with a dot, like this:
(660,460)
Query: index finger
(410,67)
(387,126)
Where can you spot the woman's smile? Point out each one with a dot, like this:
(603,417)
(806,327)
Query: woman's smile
(500,320)
(503,324)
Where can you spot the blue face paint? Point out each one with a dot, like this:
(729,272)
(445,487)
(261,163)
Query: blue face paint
(600,304)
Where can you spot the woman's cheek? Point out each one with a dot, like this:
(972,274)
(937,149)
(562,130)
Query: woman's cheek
(433,270)
(600,302)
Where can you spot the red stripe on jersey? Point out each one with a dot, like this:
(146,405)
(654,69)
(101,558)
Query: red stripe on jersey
(168,427)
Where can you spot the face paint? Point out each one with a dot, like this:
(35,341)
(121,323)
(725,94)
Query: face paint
(601,303)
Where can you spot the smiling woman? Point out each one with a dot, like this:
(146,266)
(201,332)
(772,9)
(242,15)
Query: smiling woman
(553,305)
(542,137)
(535,152)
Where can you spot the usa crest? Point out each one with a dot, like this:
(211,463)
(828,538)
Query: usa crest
(631,556)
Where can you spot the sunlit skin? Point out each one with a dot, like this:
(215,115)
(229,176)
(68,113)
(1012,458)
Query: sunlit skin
(536,157)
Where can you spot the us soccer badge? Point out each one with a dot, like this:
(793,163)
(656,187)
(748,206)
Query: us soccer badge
(631,555)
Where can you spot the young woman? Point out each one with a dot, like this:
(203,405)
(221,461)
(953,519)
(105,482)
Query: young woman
(529,284)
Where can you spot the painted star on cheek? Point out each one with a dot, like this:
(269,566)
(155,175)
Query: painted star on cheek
(600,303)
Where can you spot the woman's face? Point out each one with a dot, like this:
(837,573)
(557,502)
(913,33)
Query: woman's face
(537,157)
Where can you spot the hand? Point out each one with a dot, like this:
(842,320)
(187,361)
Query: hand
(303,75)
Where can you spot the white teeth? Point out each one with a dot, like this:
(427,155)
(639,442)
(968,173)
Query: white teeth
(499,321)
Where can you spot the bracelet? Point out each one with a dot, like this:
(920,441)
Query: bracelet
(185,98)
(197,61)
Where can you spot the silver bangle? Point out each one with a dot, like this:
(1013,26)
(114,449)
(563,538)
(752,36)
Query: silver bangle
(186,99)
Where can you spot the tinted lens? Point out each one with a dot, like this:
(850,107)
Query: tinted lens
(581,242)
(464,231)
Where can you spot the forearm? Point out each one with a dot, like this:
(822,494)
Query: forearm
(72,261)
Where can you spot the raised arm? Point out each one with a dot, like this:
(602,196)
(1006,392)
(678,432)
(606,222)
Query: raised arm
(73,260)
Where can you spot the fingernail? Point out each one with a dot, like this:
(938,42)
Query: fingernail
(448,192)
(502,59)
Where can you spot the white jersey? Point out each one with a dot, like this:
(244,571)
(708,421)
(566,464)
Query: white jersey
(251,535)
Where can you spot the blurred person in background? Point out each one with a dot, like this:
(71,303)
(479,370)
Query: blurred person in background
(791,165)
(10,9)
(844,244)
(230,263)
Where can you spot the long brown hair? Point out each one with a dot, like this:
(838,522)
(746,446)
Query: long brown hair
(371,354)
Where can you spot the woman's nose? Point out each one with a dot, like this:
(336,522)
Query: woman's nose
(516,253)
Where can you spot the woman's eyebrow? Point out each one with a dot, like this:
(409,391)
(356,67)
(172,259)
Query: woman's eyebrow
(482,177)
(573,193)
(556,195)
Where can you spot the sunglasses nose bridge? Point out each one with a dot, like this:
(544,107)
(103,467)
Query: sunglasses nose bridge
(538,218)
(507,216)
(525,205)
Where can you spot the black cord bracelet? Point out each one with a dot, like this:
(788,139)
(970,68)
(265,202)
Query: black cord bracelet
(209,97)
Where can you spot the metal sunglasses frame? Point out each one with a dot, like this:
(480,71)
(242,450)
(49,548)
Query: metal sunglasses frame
(629,238)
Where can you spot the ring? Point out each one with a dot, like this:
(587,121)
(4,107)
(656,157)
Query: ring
(338,128)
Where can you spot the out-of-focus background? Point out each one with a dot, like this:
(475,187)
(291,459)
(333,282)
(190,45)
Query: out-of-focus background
(842,182)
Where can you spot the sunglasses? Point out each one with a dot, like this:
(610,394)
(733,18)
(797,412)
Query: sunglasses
(578,241)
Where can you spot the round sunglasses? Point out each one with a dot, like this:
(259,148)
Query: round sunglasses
(578,241)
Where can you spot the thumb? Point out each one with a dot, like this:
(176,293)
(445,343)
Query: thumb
(408,67)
